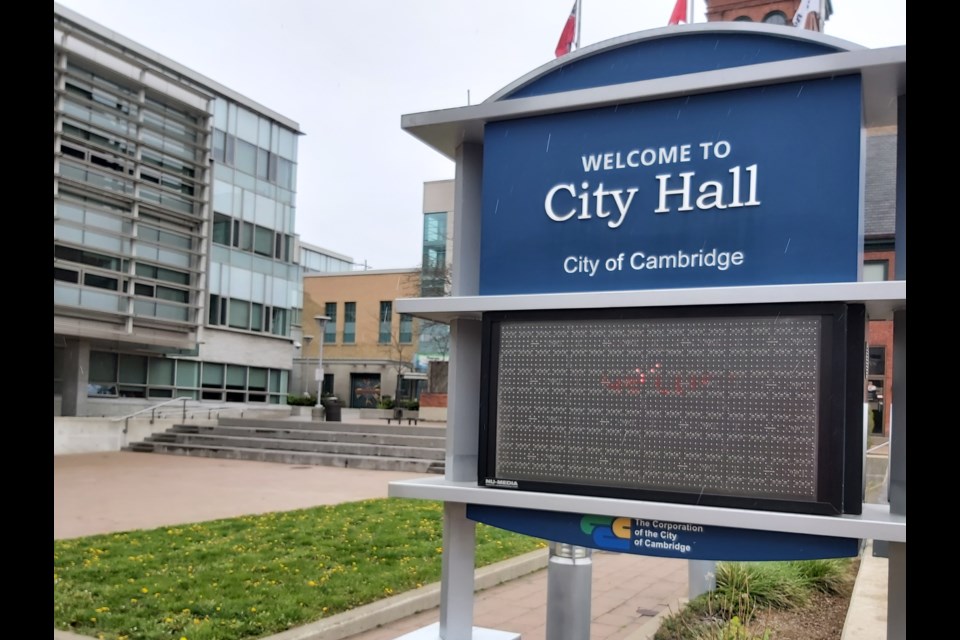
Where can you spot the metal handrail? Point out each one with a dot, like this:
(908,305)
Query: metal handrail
(210,410)
(153,409)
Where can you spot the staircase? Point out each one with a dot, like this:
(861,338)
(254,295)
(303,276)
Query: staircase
(357,446)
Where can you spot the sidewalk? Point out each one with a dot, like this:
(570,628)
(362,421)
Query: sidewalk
(121,491)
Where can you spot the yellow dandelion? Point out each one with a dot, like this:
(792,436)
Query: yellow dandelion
(144,590)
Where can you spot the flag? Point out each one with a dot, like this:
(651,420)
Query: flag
(808,15)
(679,13)
(568,33)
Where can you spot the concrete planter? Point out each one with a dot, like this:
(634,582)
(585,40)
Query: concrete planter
(376,414)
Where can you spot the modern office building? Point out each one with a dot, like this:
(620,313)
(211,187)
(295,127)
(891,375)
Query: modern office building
(316,259)
(366,350)
(438,216)
(437,237)
(175,264)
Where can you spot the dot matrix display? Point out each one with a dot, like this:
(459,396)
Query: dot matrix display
(717,405)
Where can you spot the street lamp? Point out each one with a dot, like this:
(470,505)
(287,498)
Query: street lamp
(303,360)
(321,327)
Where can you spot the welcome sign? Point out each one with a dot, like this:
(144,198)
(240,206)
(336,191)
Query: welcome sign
(743,187)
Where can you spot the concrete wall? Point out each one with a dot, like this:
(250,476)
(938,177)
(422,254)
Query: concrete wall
(107,433)
(433,414)
(246,349)
(91,435)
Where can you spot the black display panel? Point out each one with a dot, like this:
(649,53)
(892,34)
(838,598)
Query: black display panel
(755,406)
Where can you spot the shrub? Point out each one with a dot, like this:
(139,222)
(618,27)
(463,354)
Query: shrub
(829,576)
(763,584)
(744,588)
(296,400)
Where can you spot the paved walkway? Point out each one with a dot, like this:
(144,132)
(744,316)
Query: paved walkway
(122,491)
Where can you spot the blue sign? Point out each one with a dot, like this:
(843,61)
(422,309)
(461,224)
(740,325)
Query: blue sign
(745,187)
(664,539)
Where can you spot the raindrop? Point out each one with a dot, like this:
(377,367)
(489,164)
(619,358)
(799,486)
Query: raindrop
(788,246)
(548,142)
(800,91)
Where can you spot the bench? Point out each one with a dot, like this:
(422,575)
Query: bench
(398,416)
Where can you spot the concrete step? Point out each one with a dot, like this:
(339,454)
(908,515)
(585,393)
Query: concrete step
(347,427)
(384,463)
(383,437)
(363,446)
(290,444)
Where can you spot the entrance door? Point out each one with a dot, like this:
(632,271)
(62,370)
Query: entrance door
(364,390)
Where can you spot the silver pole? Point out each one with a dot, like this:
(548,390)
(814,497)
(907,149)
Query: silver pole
(569,577)
(701,577)
(321,327)
(576,37)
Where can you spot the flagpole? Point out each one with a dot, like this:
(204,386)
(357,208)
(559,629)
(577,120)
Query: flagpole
(689,11)
(576,38)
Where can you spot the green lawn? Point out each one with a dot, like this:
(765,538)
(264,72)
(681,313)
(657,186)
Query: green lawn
(247,577)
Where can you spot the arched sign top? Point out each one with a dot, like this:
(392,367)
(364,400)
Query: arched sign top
(671,51)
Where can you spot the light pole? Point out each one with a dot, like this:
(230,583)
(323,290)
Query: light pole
(303,361)
(321,327)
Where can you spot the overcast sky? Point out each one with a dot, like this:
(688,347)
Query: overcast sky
(347,71)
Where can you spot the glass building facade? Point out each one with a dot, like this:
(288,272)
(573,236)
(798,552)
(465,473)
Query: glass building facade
(175,255)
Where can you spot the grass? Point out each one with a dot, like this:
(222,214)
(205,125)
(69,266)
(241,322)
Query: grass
(247,577)
(744,588)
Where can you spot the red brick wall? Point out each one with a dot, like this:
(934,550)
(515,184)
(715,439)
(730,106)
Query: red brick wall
(433,400)
(880,334)
(728,10)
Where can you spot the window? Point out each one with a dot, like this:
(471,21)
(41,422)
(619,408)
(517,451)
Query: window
(254,160)
(212,381)
(280,322)
(775,17)
(135,376)
(875,271)
(386,318)
(100,282)
(330,328)
(263,241)
(239,314)
(877,361)
(103,374)
(221,229)
(349,322)
(406,328)
(435,228)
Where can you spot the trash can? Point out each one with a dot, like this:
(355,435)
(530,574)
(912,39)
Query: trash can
(331,406)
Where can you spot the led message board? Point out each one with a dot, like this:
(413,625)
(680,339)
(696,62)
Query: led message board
(755,406)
